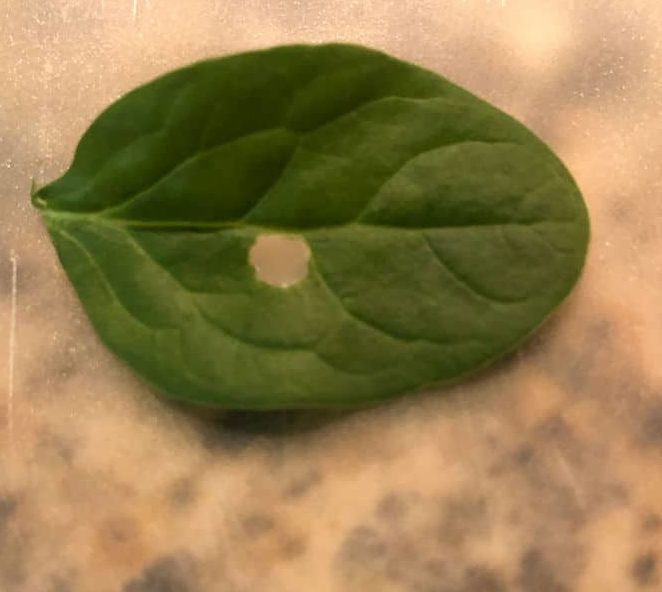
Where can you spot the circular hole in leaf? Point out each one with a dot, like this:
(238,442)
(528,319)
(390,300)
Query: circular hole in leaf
(279,260)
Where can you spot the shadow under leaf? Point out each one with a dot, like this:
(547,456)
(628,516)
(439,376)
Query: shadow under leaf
(236,429)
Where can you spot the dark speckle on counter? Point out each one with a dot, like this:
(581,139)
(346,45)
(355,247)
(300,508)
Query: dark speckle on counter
(651,427)
(293,547)
(463,519)
(482,579)
(391,507)
(644,570)
(302,485)
(362,544)
(555,428)
(651,522)
(524,454)
(256,525)
(61,583)
(8,504)
(15,545)
(537,575)
(53,446)
(182,492)
(573,372)
(171,573)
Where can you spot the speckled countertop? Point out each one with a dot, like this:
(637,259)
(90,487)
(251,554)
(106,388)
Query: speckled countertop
(543,474)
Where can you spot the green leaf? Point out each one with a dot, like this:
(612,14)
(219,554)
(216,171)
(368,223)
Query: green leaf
(441,231)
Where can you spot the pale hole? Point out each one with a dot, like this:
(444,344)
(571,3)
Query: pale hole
(279,260)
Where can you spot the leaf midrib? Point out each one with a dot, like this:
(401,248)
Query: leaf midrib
(240,224)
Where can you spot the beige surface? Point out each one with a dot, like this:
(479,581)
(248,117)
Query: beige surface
(541,475)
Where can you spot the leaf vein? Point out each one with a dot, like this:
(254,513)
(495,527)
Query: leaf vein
(463,281)
(105,280)
(359,318)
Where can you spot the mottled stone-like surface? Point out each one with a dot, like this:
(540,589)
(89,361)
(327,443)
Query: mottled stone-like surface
(543,474)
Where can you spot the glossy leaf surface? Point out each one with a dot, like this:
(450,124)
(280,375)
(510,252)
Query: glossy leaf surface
(441,231)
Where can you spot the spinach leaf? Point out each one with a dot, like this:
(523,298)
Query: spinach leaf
(441,231)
